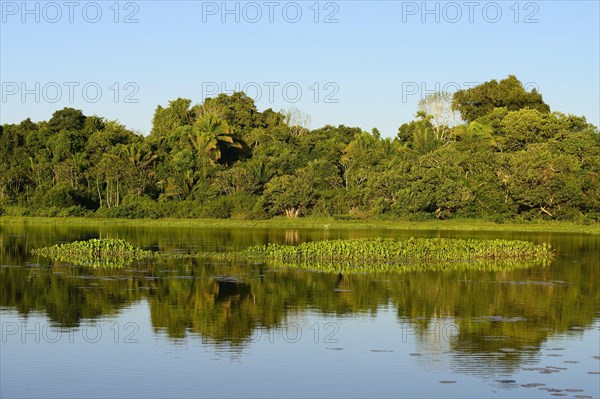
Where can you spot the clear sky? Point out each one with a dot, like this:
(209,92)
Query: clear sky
(359,63)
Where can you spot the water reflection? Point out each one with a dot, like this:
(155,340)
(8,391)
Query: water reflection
(497,319)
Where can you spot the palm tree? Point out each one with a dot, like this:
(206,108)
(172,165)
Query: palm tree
(475,134)
(425,140)
(213,137)
(203,143)
(261,170)
(141,158)
(139,155)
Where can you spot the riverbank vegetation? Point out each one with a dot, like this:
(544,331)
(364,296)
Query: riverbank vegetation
(509,159)
(309,223)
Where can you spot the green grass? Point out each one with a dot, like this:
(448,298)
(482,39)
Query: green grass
(315,223)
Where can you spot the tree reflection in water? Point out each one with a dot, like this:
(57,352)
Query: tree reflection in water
(227,303)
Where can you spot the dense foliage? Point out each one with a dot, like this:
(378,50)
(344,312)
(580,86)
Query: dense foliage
(512,159)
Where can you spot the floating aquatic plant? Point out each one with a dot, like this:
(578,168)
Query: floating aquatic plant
(95,252)
(386,254)
(358,255)
(413,249)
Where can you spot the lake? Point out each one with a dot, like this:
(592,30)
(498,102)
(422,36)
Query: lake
(191,328)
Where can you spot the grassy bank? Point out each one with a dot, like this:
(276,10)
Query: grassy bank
(315,223)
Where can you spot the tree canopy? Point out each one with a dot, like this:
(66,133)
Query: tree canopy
(223,158)
(509,93)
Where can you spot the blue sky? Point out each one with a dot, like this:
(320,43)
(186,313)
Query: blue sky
(357,63)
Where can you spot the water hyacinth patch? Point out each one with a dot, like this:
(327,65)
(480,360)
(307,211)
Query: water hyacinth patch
(390,249)
(357,255)
(95,253)
(400,254)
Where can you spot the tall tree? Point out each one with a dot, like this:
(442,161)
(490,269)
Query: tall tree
(166,120)
(67,119)
(224,145)
(439,106)
(481,100)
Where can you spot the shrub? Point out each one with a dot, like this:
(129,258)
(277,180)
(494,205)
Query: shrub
(138,209)
(58,196)
(218,208)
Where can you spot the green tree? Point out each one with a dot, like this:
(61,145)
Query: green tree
(481,100)
(420,136)
(541,182)
(475,136)
(288,195)
(166,120)
(215,136)
(67,119)
(237,109)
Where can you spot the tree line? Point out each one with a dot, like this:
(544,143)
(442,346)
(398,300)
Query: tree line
(494,152)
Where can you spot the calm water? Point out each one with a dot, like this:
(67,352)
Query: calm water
(187,328)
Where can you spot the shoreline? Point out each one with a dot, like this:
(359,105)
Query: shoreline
(314,223)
